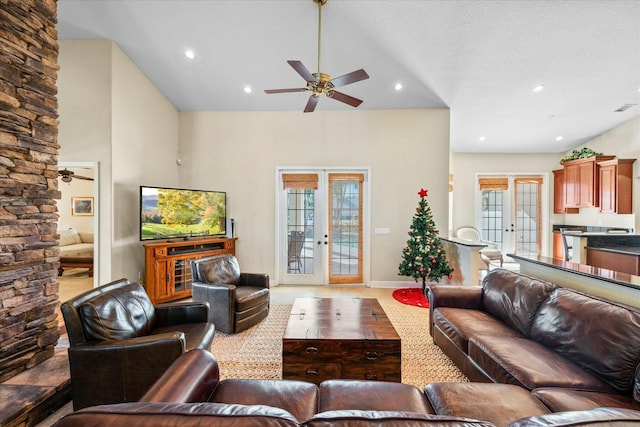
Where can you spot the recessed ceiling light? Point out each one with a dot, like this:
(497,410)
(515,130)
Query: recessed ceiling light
(189,53)
(482,138)
(398,86)
(538,88)
(247,89)
(559,138)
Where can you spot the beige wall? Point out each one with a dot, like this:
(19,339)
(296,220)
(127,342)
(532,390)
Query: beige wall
(112,114)
(84,106)
(145,147)
(75,188)
(239,152)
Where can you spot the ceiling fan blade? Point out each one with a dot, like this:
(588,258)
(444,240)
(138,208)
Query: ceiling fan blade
(311,104)
(302,70)
(347,79)
(82,177)
(339,96)
(301,89)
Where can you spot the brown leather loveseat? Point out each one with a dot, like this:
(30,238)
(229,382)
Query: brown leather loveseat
(120,343)
(572,351)
(190,393)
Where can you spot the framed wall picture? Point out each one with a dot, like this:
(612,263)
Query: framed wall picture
(82,206)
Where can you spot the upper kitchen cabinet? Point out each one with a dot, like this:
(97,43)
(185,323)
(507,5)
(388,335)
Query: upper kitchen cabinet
(616,185)
(581,182)
(558,194)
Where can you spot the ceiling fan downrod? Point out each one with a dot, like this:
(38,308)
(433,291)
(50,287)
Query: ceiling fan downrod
(320,3)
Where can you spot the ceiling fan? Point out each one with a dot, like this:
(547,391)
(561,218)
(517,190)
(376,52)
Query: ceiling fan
(68,175)
(320,83)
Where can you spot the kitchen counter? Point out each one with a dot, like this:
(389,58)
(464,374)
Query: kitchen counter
(598,238)
(613,285)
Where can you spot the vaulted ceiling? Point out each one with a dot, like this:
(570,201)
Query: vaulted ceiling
(481,58)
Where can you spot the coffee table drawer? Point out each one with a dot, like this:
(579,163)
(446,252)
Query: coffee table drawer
(389,371)
(312,372)
(305,351)
(371,352)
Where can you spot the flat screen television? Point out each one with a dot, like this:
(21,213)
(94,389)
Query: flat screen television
(170,213)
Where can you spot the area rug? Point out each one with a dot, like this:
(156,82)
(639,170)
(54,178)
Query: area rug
(411,296)
(257,352)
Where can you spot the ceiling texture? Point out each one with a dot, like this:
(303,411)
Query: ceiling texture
(479,58)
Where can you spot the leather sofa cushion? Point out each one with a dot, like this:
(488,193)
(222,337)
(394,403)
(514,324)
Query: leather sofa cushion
(497,403)
(609,417)
(138,414)
(602,337)
(514,298)
(459,324)
(371,395)
(299,398)
(219,269)
(529,364)
(357,418)
(126,312)
(566,399)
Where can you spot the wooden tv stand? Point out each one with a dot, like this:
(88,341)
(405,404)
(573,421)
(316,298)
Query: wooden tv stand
(167,264)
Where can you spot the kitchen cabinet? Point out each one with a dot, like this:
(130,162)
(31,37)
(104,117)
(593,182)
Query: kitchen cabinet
(581,182)
(558,246)
(559,194)
(624,263)
(616,186)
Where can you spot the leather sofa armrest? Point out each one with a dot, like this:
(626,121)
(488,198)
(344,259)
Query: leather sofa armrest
(191,378)
(254,279)
(110,371)
(453,296)
(175,313)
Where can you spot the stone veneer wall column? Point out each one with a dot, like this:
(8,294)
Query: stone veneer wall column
(29,253)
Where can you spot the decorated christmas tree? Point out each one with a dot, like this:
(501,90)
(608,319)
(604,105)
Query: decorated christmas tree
(424,257)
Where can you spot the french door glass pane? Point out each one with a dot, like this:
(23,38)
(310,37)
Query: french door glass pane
(300,220)
(527,212)
(492,215)
(345,210)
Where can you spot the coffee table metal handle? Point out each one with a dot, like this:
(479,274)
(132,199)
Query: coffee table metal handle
(311,350)
(311,372)
(371,355)
(369,376)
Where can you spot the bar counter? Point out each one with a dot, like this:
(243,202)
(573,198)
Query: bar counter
(613,285)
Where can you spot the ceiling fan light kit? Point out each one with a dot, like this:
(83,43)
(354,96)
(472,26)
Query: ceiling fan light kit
(321,83)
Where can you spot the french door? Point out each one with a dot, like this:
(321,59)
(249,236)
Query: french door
(510,213)
(321,218)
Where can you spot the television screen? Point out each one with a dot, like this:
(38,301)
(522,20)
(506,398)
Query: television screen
(168,213)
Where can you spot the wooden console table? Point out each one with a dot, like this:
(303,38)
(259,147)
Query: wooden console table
(168,264)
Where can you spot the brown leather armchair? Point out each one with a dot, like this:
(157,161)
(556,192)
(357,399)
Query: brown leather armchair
(120,343)
(237,300)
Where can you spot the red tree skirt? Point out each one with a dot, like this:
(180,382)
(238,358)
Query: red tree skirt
(411,296)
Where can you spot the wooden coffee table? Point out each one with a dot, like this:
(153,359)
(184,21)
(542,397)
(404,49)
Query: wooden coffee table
(350,338)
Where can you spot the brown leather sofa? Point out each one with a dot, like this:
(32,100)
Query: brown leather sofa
(237,300)
(572,351)
(190,393)
(120,343)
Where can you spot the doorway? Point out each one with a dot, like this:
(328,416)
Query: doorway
(86,178)
(322,216)
(510,213)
